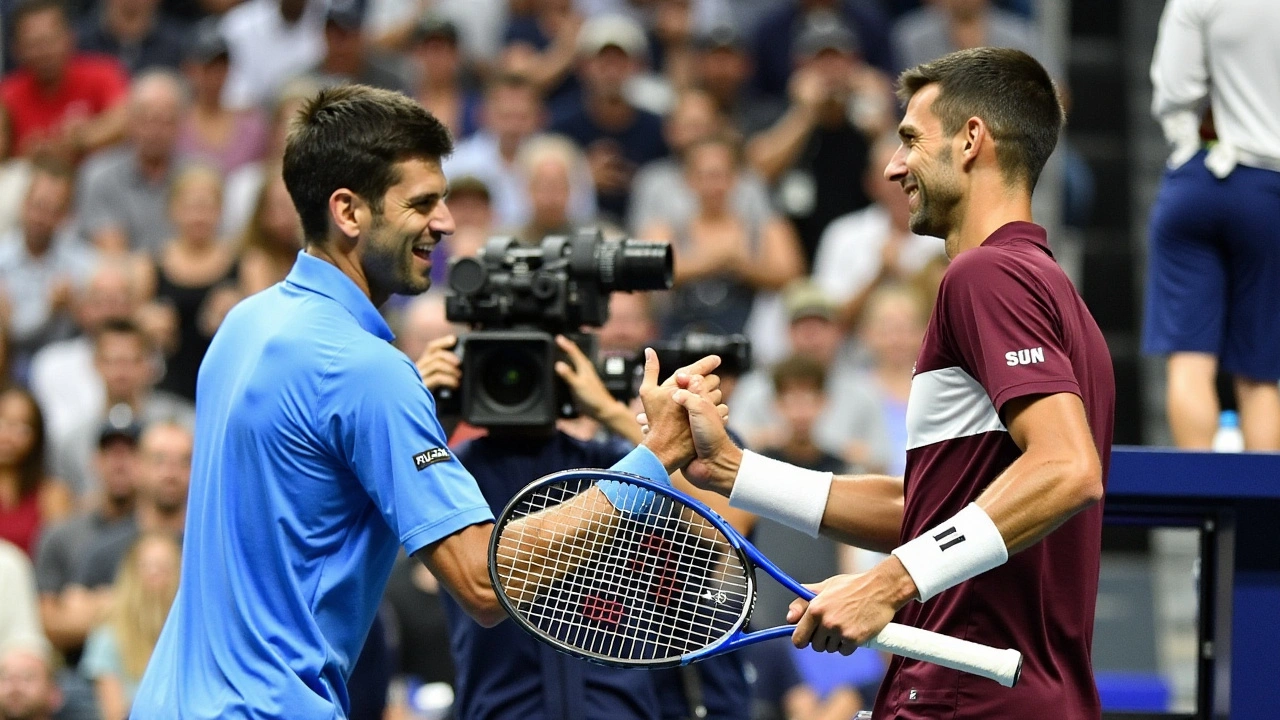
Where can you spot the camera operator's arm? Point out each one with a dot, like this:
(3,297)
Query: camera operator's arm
(441,368)
(591,394)
(594,399)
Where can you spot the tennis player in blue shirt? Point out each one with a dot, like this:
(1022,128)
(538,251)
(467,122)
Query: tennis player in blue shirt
(317,450)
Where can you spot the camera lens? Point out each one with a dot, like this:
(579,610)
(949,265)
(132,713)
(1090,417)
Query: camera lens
(510,378)
(635,265)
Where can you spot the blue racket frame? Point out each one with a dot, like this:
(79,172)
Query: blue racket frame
(750,556)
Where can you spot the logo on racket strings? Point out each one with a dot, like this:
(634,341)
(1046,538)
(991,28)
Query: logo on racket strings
(655,561)
(602,610)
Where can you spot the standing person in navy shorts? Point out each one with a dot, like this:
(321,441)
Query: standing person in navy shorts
(1213,276)
(996,528)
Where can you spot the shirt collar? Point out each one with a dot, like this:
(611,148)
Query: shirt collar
(322,278)
(1012,232)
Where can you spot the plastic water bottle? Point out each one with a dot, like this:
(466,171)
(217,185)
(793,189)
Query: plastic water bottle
(1228,438)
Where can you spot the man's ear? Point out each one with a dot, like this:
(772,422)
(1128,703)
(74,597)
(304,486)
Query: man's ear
(976,136)
(345,212)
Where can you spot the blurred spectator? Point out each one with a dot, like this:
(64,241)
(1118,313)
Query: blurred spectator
(1213,281)
(660,193)
(59,101)
(777,36)
(844,681)
(272,42)
(123,359)
(67,611)
(188,12)
(632,325)
(618,136)
(851,426)
(838,104)
(441,87)
(422,321)
(948,25)
(211,132)
(472,209)
(164,476)
(124,191)
(511,113)
(243,186)
(348,59)
(41,263)
(28,687)
(543,46)
(270,244)
(671,46)
(62,376)
(547,162)
(133,32)
(390,25)
(892,331)
(722,258)
(779,692)
(30,500)
(19,619)
(800,400)
(868,247)
(722,68)
(193,273)
(117,652)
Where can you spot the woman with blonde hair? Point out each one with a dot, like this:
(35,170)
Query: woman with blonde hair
(117,652)
(272,239)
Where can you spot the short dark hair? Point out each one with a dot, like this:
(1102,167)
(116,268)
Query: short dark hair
(798,371)
(27,8)
(352,136)
(123,326)
(1009,90)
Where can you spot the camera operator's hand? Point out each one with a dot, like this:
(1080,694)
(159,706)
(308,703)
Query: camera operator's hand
(591,395)
(668,436)
(439,365)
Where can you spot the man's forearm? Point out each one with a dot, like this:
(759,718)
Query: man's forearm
(865,511)
(861,510)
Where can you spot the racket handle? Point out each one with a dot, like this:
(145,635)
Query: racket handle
(1003,666)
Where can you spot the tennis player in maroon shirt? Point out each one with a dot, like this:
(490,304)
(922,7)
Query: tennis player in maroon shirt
(995,531)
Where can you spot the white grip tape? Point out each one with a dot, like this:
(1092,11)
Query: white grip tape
(968,544)
(1003,666)
(782,492)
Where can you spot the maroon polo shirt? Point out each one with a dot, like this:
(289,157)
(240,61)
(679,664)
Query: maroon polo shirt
(1008,323)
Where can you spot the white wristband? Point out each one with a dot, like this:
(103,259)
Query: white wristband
(781,492)
(968,544)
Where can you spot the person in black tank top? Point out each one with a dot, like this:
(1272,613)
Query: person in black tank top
(722,261)
(196,275)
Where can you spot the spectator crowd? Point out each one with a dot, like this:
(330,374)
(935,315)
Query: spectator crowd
(141,199)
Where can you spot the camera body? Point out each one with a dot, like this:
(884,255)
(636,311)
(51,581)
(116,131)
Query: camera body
(623,374)
(517,298)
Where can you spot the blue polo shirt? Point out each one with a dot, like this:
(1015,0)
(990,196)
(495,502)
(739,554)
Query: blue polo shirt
(317,455)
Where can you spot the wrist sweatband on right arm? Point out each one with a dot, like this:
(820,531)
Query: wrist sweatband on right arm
(782,492)
(630,498)
(968,544)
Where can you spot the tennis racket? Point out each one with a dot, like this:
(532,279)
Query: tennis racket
(664,582)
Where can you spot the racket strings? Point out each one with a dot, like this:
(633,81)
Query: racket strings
(640,587)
